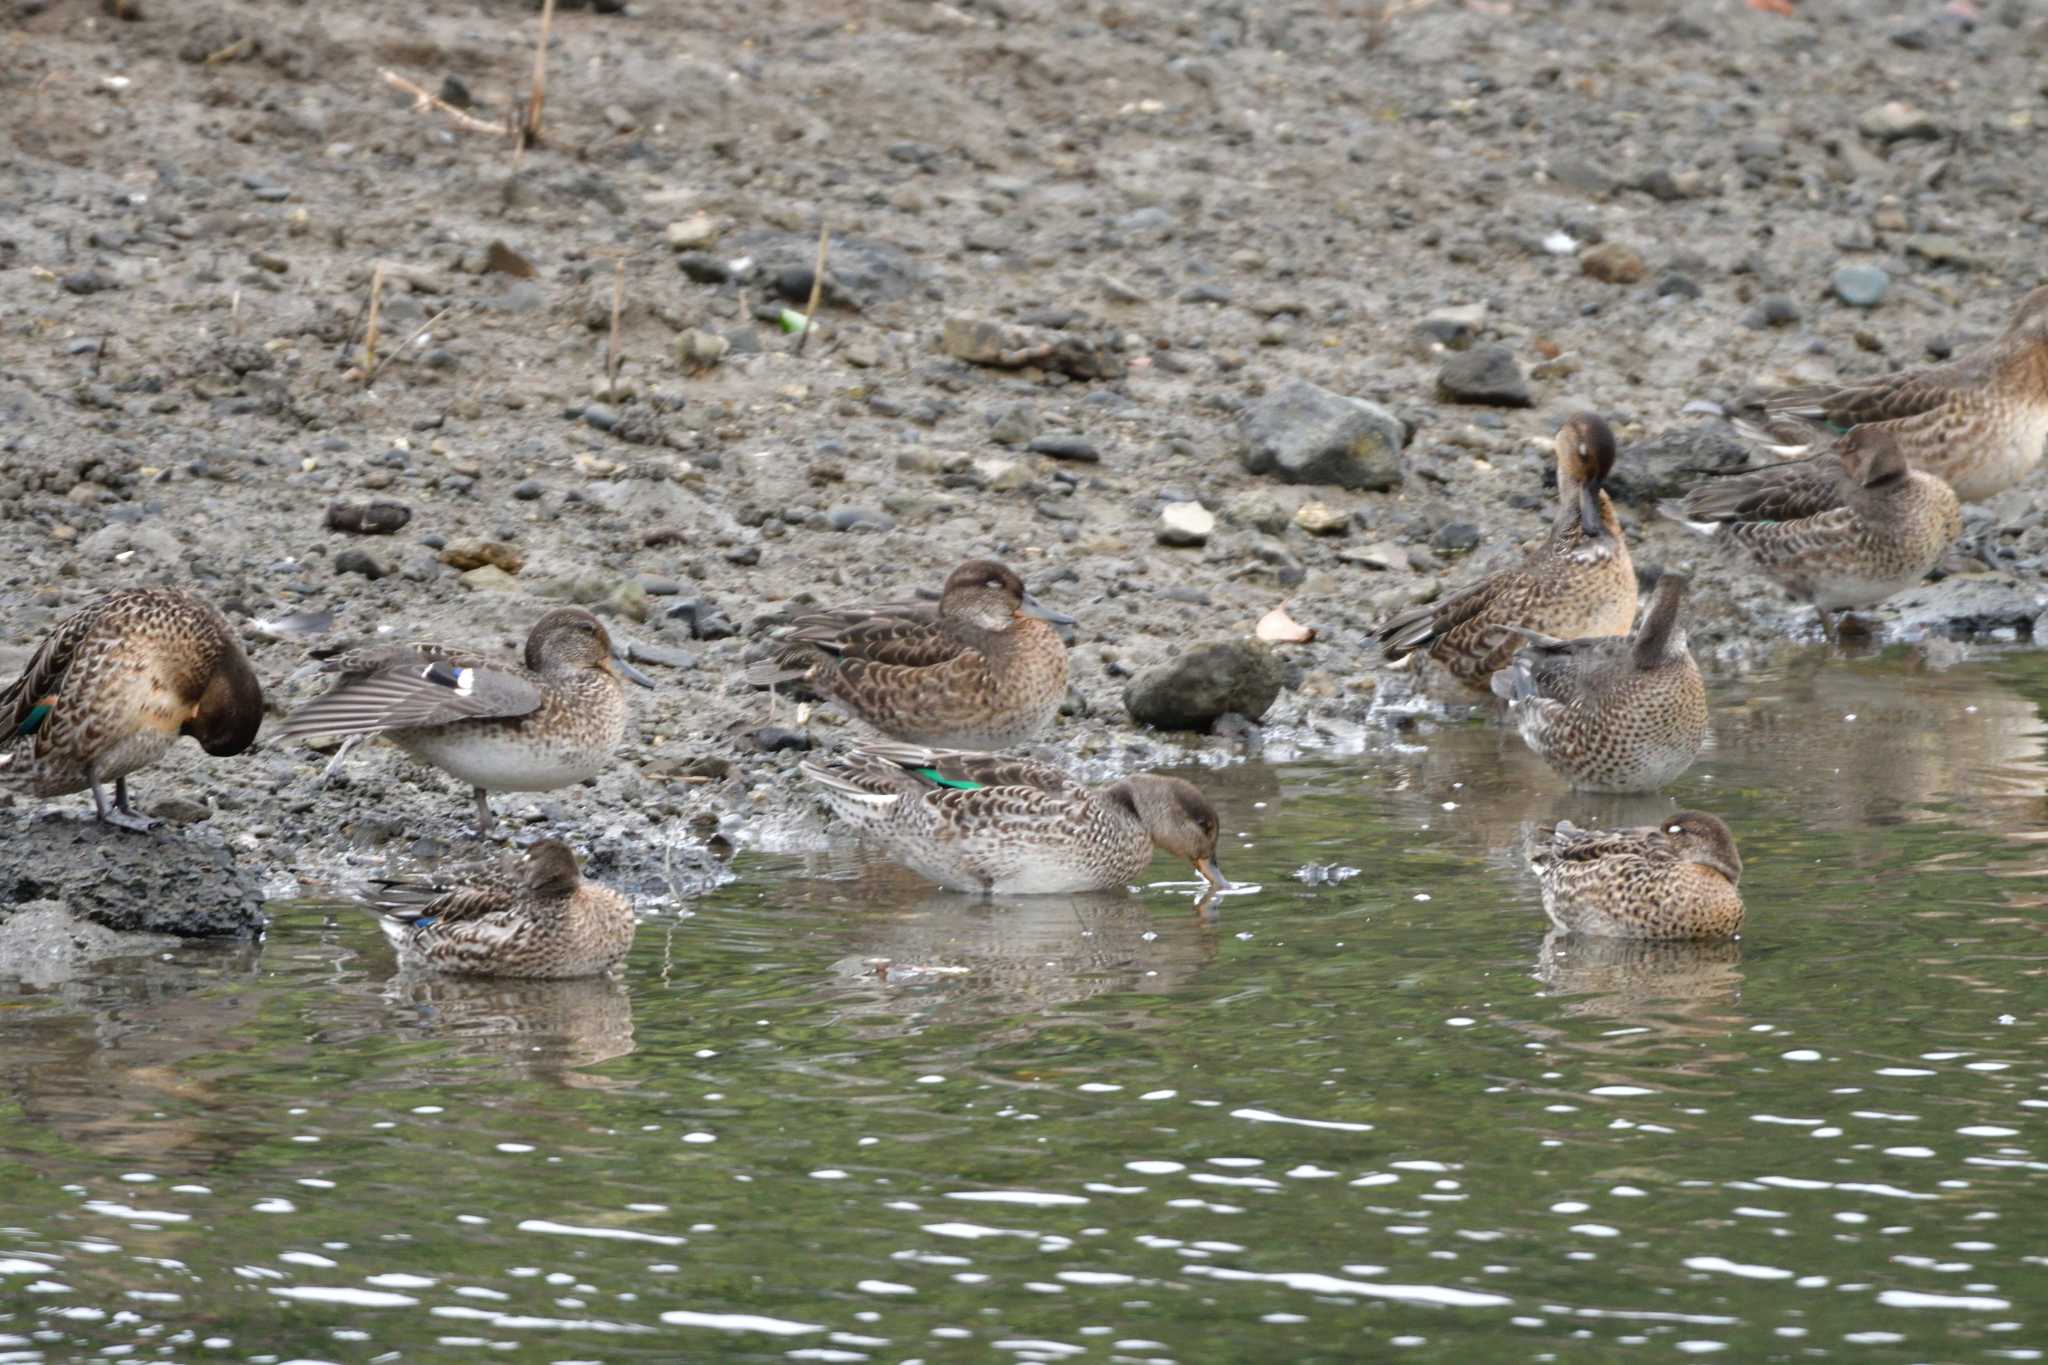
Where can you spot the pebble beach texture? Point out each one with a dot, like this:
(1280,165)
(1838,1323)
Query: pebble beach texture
(1182,311)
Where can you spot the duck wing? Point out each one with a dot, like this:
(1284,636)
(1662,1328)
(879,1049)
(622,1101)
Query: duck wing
(24,702)
(411,686)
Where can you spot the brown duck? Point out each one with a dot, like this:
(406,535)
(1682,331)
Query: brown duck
(985,670)
(1577,581)
(1675,879)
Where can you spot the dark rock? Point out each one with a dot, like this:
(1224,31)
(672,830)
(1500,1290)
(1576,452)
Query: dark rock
(703,267)
(359,561)
(1672,283)
(1455,537)
(1066,448)
(775,739)
(1191,691)
(1300,433)
(640,652)
(85,282)
(705,621)
(528,490)
(859,273)
(1666,465)
(1772,310)
(116,878)
(1487,374)
(600,416)
(379,518)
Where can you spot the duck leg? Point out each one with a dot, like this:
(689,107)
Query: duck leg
(334,764)
(483,813)
(120,815)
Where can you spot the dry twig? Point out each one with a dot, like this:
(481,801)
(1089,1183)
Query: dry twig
(817,288)
(424,99)
(611,348)
(410,341)
(370,328)
(530,133)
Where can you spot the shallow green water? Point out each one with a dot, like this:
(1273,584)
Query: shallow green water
(1366,1119)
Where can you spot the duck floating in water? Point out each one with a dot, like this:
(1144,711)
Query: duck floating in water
(1675,879)
(540,920)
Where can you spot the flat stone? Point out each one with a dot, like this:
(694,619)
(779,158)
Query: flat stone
(691,234)
(1301,433)
(1938,248)
(1066,448)
(488,578)
(1013,346)
(359,562)
(472,554)
(1860,286)
(1321,519)
(1383,556)
(1671,462)
(1185,523)
(1205,682)
(378,518)
(1487,375)
(1896,120)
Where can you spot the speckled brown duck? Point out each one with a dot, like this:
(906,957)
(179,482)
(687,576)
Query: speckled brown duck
(114,686)
(1577,581)
(1977,422)
(1843,529)
(496,725)
(988,824)
(1672,880)
(1612,713)
(540,920)
(985,670)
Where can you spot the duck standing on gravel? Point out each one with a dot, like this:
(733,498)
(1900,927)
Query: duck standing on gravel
(987,824)
(497,726)
(1844,529)
(986,670)
(1575,582)
(541,920)
(1978,422)
(1612,713)
(1672,880)
(115,685)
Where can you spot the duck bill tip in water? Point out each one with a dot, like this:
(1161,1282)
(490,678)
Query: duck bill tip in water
(628,672)
(1212,874)
(1033,607)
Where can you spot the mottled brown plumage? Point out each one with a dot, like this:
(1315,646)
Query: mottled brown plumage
(494,725)
(1844,529)
(1672,880)
(985,670)
(1977,422)
(1612,713)
(115,685)
(1575,582)
(540,919)
(985,823)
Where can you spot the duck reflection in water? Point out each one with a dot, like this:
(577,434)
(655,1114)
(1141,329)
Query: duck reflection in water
(549,1028)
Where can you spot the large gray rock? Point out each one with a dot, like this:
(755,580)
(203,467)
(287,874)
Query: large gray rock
(859,272)
(1206,682)
(1668,464)
(163,882)
(1304,434)
(1972,606)
(1486,374)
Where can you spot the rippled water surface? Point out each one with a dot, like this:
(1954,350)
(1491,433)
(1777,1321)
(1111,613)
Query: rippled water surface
(833,1116)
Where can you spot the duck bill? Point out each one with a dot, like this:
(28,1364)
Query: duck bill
(1212,874)
(1033,607)
(628,672)
(1589,509)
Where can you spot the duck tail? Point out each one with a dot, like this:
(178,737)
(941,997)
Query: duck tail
(844,785)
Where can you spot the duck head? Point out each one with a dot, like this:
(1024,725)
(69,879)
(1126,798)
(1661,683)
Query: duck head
(1702,838)
(569,638)
(551,869)
(1585,457)
(984,593)
(1872,457)
(1178,818)
(230,708)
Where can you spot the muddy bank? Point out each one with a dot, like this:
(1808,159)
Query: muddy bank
(1088,262)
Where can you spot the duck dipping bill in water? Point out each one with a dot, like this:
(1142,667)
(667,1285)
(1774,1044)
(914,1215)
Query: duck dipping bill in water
(539,919)
(985,823)
(496,725)
(115,685)
(1672,880)
(984,670)
(1575,582)
(1843,529)
(1612,713)
(1977,422)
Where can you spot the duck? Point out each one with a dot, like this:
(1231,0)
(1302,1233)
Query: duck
(1612,713)
(539,919)
(1977,422)
(993,825)
(986,670)
(1677,879)
(1577,581)
(1843,529)
(114,686)
(497,726)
